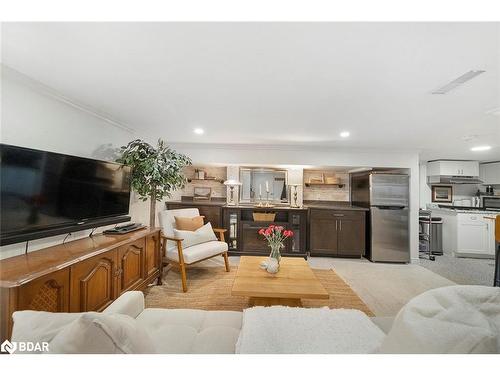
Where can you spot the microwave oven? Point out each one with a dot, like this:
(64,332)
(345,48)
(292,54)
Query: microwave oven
(491,202)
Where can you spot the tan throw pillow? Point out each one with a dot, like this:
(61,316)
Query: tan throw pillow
(188,223)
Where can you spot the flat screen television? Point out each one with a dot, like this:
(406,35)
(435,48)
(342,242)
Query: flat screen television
(46,193)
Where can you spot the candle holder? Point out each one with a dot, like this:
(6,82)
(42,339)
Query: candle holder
(294,195)
(232,184)
(260,201)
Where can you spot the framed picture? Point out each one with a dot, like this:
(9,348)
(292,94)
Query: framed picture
(443,194)
(202,193)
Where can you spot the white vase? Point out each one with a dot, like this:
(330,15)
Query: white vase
(273,265)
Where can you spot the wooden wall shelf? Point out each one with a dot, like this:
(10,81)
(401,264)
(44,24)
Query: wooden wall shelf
(206,179)
(323,184)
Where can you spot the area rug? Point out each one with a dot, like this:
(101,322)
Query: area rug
(209,288)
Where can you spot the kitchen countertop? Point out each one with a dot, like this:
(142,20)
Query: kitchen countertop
(326,205)
(465,211)
(199,203)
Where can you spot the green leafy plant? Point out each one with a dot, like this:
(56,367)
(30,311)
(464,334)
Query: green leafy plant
(156,172)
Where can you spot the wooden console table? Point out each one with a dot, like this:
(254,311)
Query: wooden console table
(82,275)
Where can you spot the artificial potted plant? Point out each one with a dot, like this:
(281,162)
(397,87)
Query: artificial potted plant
(156,172)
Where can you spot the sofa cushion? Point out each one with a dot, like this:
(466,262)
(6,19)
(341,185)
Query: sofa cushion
(197,252)
(192,331)
(453,319)
(39,326)
(188,223)
(100,333)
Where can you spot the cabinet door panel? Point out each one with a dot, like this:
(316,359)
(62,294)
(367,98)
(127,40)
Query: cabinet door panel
(93,283)
(252,241)
(152,256)
(490,173)
(131,261)
(48,293)
(323,236)
(472,237)
(351,232)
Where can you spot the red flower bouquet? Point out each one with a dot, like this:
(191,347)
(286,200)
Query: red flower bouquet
(275,236)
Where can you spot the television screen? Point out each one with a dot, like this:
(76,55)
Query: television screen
(42,190)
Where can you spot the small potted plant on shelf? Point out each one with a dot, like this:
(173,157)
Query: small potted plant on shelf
(275,236)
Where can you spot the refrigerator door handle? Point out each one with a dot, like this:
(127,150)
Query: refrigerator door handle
(390,207)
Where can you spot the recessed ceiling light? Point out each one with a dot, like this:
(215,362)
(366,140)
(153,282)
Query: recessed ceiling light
(481,148)
(457,82)
(198,131)
(345,134)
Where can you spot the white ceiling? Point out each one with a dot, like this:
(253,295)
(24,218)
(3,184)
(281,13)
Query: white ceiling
(277,83)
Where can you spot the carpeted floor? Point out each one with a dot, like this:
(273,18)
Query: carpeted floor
(465,271)
(209,288)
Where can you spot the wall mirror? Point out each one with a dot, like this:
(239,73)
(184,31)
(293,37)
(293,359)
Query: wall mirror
(257,181)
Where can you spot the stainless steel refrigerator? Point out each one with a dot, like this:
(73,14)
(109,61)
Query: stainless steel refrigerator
(387,197)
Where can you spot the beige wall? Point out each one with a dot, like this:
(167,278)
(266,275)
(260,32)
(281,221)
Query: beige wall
(326,193)
(218,189)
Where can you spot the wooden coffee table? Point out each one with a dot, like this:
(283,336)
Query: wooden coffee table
(294,281)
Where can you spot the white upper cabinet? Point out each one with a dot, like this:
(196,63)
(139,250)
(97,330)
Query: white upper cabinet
(490,173)
(452,168)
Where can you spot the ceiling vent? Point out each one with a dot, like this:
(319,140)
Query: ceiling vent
(457,82)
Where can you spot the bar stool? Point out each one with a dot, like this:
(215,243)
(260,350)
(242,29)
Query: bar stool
(425,233)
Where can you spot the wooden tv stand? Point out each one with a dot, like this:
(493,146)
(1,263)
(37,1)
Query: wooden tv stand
(82,275)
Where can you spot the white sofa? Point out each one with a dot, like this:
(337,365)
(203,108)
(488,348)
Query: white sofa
(173,331)
(456,319)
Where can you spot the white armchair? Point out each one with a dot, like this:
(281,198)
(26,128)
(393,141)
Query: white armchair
(174,253)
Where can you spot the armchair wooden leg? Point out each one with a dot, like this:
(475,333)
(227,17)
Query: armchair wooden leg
(226,261)
(183,277)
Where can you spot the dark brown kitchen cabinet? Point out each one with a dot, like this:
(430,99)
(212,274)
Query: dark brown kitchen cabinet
(323,240)
(351,235)
(337,233)
(243,230)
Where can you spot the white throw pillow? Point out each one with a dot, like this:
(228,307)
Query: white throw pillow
(454,319)
(201,235)
(98,333)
